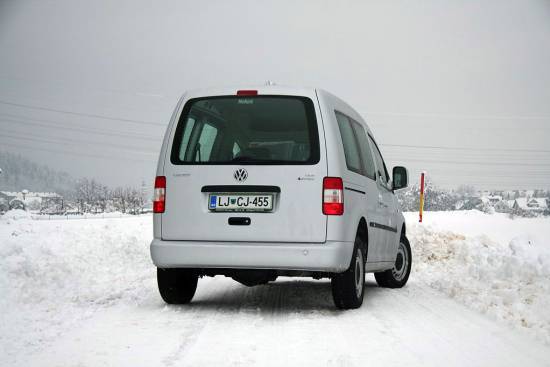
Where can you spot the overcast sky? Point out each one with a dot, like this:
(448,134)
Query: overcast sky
(88,86)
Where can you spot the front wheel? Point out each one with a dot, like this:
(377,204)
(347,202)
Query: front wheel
(397,276)
(177,286)
(348,287)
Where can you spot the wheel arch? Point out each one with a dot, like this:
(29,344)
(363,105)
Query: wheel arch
(363,233)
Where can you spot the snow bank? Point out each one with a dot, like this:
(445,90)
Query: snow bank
(15,214)
(494,264)
(54,273)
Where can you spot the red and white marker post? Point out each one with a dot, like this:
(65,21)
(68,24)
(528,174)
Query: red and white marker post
(421,210)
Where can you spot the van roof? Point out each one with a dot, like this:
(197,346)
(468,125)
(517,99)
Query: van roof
(262,89)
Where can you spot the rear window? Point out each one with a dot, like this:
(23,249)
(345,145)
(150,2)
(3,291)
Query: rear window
(247,130)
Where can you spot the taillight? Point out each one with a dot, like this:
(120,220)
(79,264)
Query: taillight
(159,198)
(333,196)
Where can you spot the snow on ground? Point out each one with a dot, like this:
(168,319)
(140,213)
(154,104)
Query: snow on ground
(83,293)
(55,273)
(491,263)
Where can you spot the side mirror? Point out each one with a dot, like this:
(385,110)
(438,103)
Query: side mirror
(400,178)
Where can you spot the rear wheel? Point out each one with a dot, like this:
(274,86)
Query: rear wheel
(177,286)
(397,276)
(348,287)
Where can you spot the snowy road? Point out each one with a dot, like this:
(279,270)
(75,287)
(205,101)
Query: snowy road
(83,293)
(292,323)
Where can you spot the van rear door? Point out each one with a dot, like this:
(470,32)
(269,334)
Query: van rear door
(246,168)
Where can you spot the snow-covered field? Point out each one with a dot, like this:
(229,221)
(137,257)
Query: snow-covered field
(83,293)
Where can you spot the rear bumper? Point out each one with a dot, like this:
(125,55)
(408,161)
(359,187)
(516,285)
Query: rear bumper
(327,257)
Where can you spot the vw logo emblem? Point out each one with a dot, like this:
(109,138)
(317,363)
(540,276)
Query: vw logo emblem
(240,175)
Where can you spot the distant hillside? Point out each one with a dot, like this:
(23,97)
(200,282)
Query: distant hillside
(20,173)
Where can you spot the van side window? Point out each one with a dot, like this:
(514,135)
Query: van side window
(382,171)
(368,162)
(351,150)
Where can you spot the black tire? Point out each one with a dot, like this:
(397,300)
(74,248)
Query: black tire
(348,287)
(177,286)
(397,276)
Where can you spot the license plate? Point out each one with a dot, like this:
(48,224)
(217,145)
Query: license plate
(240,202)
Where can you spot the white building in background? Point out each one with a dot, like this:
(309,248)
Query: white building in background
(32,201)
(493,199)
(531,204)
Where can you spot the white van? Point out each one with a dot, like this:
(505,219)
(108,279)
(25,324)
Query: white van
(261,182)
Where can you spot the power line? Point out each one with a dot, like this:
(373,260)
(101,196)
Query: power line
(459,117)
(76,142)
(32,137)
(73,128)
(529,177)
(64,86)
(447,127)
(425,161)
(483,172)
(141,122)
(480,170)
(542,161)
(483,178)
(496,181)
(467,157)
(464,148)
(436,179)
(547,165)
(463,152)
(107,157)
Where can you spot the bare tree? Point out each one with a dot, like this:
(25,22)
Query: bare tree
(120,200)
(92,196)
(128,199)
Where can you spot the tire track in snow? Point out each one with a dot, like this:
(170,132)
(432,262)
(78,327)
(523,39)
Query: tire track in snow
(292,322)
